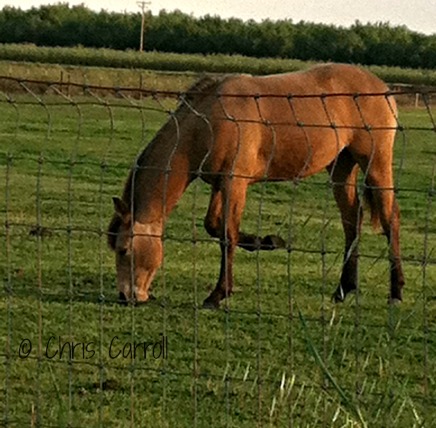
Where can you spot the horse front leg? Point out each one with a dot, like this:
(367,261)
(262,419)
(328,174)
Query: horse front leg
(224,285)
(225,211)
(247,241)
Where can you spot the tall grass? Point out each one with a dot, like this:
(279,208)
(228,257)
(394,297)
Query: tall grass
(147,60)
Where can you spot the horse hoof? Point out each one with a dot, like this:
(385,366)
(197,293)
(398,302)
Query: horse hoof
(210,304)
(122,300)
(338,296)
(394,301)
(144,302)
(272,242)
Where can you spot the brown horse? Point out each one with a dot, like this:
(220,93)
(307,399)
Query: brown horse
(238,130)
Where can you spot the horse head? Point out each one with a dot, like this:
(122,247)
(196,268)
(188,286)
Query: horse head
(138,253)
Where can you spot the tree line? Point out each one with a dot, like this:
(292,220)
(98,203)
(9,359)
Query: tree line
(369,44)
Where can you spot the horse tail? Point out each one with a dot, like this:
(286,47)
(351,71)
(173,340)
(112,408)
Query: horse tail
(370,201)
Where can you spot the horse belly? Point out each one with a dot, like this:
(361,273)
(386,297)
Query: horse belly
(301,154)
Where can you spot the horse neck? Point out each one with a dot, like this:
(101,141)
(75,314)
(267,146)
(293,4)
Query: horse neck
(159,179)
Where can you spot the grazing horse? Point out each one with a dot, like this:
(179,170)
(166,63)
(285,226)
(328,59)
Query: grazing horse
(238,130)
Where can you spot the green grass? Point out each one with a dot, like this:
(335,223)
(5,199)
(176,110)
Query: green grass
(280,354)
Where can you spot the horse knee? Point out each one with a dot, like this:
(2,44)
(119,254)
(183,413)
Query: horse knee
(212,227)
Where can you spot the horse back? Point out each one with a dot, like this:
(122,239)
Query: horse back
(295,124)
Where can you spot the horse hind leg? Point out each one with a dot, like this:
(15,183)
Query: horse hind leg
(378,171)
(344,176)
(385,207)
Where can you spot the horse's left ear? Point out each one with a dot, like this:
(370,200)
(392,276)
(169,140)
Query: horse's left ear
(121,208)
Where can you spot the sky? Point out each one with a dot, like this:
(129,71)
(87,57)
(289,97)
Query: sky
(418,15)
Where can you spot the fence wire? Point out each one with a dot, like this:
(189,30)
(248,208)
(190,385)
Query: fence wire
(278,352)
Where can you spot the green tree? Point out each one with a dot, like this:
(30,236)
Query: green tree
(64,25)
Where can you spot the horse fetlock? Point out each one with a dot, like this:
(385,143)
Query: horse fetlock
(141,296)
(338,296)
(342,292)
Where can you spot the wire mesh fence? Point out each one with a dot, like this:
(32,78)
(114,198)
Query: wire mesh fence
(278,352)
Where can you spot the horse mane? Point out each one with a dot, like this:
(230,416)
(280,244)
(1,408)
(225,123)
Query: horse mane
(204,86)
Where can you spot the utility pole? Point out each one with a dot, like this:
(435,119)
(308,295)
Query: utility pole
(142,5)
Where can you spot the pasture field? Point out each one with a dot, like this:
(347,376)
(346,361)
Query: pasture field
(83,64)
(278,353)
(152,60)
(101,76)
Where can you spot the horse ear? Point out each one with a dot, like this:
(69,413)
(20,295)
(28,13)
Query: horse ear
(121,209)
